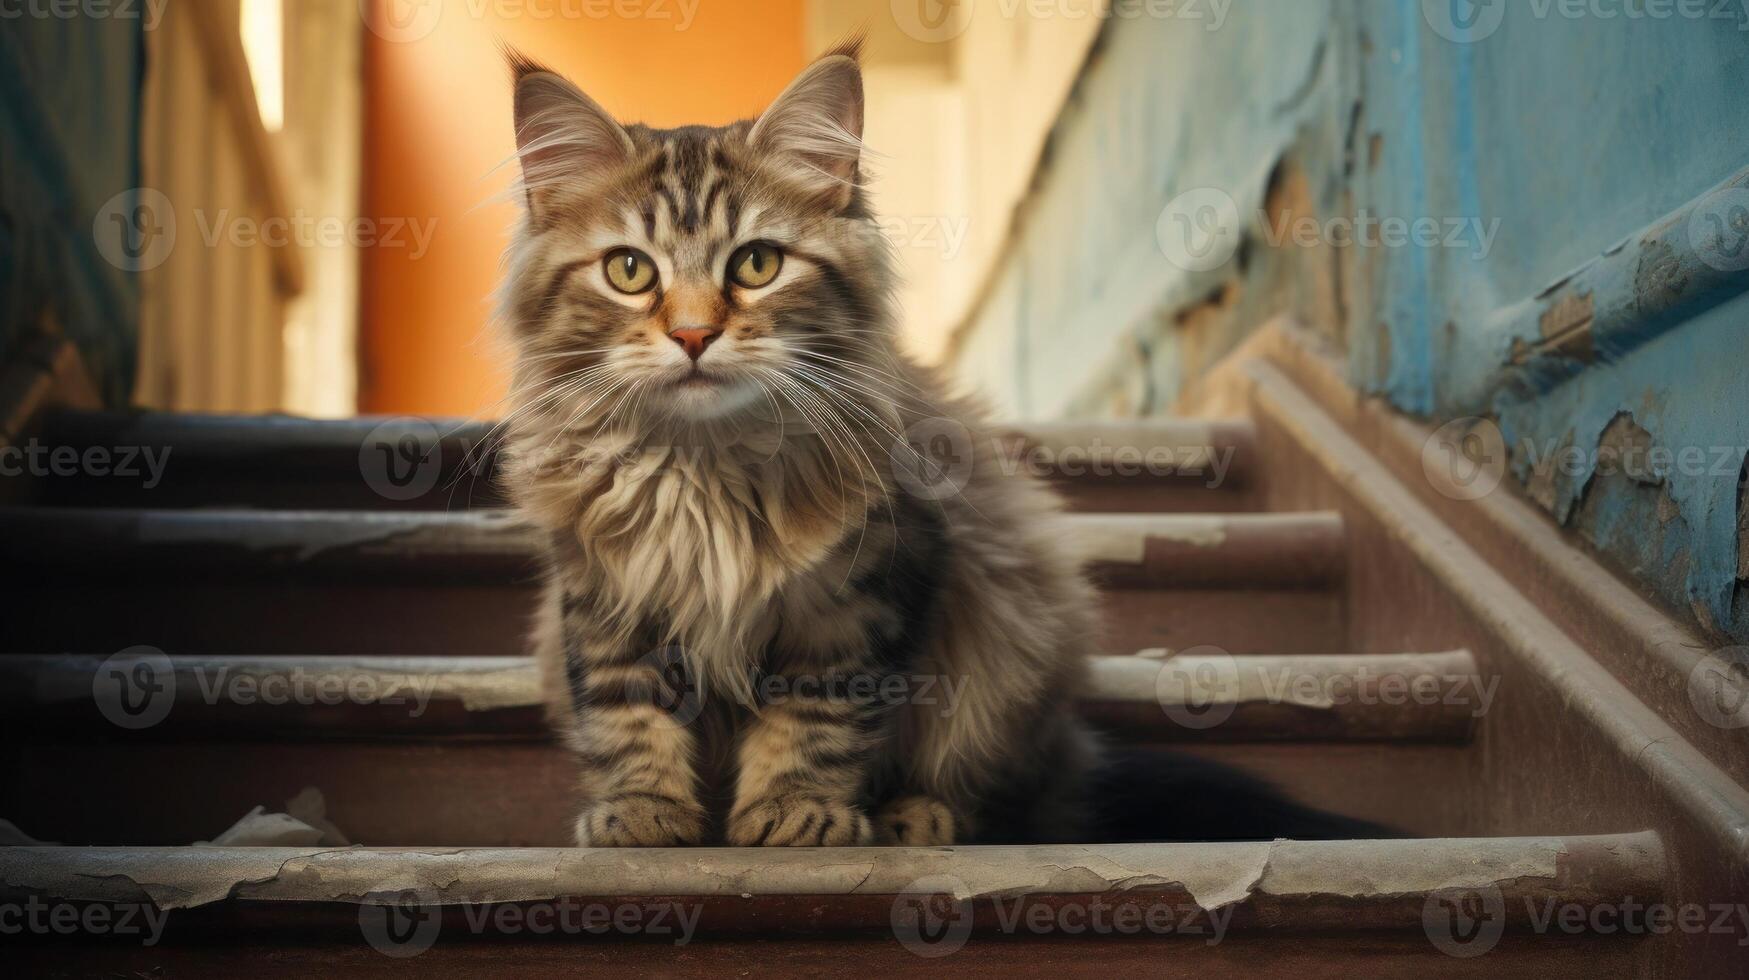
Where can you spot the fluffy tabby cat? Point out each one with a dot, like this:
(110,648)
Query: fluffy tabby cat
(745,602)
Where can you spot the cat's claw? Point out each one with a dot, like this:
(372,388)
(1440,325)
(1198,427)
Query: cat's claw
(915,821)
(800,821)
(640,821)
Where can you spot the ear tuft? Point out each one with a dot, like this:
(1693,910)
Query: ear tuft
(521,65)
(850,47)
(815,126)
(564,139)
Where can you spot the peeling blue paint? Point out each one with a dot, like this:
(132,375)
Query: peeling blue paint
(1687,401)
(1591,140)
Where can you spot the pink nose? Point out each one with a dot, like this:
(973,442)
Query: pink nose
(695,339)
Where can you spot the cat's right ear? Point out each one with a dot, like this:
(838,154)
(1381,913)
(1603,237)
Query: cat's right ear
(565,140)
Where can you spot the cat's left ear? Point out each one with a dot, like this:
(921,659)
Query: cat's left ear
(566,141)
(815,126)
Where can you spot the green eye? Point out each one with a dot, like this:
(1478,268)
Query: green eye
(755,265)
(629,270)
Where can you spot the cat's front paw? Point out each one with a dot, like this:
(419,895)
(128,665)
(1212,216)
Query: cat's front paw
(637,820)
(799,820)
(915,821)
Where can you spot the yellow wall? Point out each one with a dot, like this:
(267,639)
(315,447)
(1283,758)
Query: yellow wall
(437,121)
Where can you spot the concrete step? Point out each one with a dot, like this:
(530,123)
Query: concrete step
(423,583)
(1153,696)
(1361,907)
(455,750)
(1160,551)
(449,464)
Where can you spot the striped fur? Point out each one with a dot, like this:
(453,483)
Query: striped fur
(752,631)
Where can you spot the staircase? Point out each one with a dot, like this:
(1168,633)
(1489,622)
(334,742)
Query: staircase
(341,606)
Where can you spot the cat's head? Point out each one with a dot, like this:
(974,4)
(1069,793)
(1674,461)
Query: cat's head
(698,273)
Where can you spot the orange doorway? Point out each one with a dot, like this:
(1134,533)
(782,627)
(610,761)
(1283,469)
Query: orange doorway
(437,123)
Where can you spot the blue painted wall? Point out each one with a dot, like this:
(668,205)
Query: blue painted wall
(1579,166)
(69,143)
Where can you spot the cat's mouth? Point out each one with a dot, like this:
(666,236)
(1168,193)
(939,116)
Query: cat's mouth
(709,394)
(699,381)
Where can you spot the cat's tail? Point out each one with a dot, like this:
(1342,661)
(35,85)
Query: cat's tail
(1143,796)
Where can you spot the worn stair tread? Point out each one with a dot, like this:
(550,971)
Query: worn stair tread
(1234,551)
(518,790)
(1348,886)
(280,442)
(1153,697)
(217,616)
(278,461)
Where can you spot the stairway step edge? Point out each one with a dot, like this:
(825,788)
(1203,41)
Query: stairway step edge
(1240,550)
(1218,452)
(1319,885)
(1196,696)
